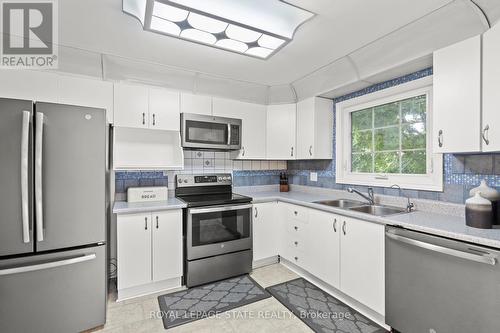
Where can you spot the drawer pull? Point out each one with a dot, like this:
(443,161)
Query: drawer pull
(295,212)
(296,243)
(296,228)
(296,258)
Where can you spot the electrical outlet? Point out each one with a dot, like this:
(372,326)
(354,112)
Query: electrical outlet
(314,176)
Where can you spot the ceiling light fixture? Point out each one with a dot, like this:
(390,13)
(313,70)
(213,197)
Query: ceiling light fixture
(257,28)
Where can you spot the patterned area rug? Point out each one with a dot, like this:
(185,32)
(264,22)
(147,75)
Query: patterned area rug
(209,300)
(319,310)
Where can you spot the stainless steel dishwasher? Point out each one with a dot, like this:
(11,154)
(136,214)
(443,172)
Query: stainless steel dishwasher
(437,285)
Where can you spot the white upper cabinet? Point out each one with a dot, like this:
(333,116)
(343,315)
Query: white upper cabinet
(491,90)
(315,129)
(31,85)
(253,116)
(199,104)
(164,109)
(131,106)
(457,97)
(87,92)
(144,107)
(281,126)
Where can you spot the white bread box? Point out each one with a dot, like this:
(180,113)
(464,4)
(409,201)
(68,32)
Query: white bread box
(144,194)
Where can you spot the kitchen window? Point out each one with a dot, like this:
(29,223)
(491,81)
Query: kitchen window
(384,138)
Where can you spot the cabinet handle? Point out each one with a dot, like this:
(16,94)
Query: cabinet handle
(296,228)
(310,150)
(296,258)
(291,151)
(243,151)
(295,212)
(157,224)
(485,134)
(296,243)
(256,212)
(154,119)
(343,228)
(143,118)
(145,223)
(440,138)
(335,225)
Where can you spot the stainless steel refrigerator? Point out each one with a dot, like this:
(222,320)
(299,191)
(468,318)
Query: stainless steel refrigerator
(52,217)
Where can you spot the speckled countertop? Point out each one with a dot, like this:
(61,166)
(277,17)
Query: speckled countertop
(123,207)
(450,226)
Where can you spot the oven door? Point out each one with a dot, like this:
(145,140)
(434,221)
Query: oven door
(202,131)
(220,229)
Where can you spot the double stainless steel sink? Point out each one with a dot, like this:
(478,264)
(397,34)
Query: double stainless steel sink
(358,206)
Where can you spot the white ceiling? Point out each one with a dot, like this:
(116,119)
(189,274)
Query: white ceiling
(348,42)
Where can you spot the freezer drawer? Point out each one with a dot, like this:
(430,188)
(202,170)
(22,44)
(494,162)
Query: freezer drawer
(438,285)
(59,292)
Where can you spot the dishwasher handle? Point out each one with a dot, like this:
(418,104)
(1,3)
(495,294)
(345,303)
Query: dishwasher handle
(485,259)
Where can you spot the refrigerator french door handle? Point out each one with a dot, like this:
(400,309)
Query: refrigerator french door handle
(24,175)
(38,176)
(47,265)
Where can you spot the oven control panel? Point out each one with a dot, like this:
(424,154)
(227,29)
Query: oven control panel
(204,180)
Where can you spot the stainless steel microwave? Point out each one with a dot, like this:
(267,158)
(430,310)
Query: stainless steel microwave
(208,132)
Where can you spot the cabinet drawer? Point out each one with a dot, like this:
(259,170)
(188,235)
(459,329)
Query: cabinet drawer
(296,213)
(295,245)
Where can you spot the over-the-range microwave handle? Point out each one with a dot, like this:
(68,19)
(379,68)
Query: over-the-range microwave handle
(24,175)
(228,134)
(38,176)
(485,259)
(194,211)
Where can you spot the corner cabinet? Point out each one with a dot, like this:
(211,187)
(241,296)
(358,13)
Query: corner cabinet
(315,129)
(253,116)
(149,252)
(281,131)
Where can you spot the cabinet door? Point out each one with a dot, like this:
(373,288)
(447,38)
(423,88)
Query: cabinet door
(30,85)
(457,97)
(131,106)
(87,92)
(281,132)
(167,245)
(362,262)
(491,89)
(315,129)
(134,250)
(323,246)
(265,230)
(164,109)
(253,116)
(305,129)
(196,104)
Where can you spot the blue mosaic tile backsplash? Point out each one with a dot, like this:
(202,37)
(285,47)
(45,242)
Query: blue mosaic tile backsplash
(461,172)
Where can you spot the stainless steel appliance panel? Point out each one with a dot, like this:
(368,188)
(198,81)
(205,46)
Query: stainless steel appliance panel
(16,143)
(219,267)
(210,132)
(218,229)
(438,285)
(60,292)
(72,209)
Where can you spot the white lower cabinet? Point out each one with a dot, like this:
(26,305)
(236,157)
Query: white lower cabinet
(362,262)
(348,254)
(325,261)
(265,231)
(149,252)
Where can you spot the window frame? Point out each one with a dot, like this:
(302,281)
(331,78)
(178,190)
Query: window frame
(431,181)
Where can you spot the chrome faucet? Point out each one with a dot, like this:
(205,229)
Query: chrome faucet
(410,205)
(370,197)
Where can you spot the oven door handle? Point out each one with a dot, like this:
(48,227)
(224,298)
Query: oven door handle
(193,211)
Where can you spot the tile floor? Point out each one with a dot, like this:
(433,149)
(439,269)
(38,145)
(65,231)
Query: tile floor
(269,315)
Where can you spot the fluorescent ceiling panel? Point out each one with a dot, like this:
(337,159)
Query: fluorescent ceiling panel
(257,28)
